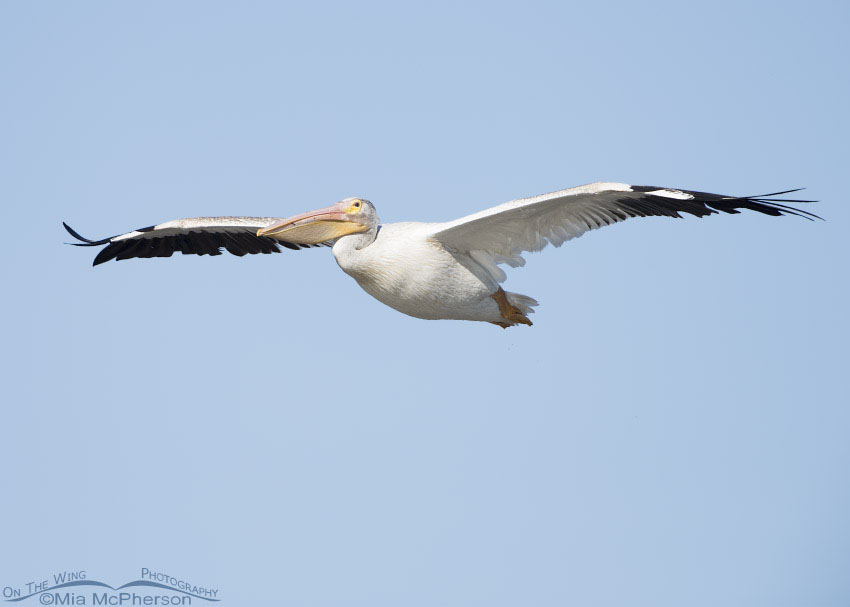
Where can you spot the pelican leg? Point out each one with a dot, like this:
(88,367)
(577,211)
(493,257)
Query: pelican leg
(511,314)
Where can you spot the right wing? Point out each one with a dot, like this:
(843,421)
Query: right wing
(502,233)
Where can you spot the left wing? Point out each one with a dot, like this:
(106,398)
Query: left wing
(192,236)
(501,233)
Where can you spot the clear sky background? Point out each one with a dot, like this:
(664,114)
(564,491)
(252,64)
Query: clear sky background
(672,431)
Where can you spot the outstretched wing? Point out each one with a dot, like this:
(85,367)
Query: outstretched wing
(501,233)
(193,236)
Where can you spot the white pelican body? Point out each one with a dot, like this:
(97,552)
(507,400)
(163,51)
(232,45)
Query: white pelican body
(406,269)
(434,270)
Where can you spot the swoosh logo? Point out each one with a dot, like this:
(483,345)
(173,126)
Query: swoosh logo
(101,584)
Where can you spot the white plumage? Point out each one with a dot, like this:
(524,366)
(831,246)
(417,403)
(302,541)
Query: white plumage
(445,270)
(408,270)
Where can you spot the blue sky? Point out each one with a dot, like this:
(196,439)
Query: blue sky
(673,430)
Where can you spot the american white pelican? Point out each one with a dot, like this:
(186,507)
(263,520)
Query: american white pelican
(435,270)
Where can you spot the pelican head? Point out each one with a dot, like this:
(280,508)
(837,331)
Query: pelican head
(349,216)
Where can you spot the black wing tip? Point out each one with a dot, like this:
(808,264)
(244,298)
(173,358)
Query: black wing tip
(778,204)
(84,242)
(763,203)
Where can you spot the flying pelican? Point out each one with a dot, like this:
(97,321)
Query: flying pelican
(435,270)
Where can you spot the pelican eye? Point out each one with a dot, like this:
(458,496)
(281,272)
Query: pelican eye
(355,206)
